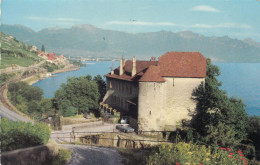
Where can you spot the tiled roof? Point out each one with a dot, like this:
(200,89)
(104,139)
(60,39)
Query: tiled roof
(140,65)
(183,64)
(152,74)
(171,64)
(120,77)
(51,56)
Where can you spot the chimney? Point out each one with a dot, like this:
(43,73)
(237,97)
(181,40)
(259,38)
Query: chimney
(153,59)
(112,69)
(121,66)
(134,66)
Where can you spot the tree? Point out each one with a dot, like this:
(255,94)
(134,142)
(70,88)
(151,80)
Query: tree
(33,93)
(66,108)
(26,91)
(3,77)
(34,109)
(101,86)
(47,107)
(43,48)
(253,130)
(220,120)
(30,100)
(81,92)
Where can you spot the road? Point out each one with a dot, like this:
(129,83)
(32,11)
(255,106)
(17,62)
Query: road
(20,68)
(10,115)
(90,155)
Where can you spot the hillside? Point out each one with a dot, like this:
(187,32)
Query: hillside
(14,52)
(87,40)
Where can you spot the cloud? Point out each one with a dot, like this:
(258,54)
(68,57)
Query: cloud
(202,26)
(140,23)
(55,19)
(222,25)
(204,8)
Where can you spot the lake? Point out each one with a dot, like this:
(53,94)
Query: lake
(241,80)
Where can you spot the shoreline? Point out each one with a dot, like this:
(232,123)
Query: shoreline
(36,78)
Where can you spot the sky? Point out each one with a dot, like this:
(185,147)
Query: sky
(238,19)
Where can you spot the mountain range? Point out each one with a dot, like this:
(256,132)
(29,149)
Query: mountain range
(87,40)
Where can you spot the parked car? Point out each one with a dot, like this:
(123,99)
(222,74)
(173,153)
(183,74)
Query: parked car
(125,128)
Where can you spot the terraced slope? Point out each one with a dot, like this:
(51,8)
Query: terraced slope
(15,53)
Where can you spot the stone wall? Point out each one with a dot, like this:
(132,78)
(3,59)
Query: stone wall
(122,140)
(151,101)
(29,156)
(118,92)
(162,105)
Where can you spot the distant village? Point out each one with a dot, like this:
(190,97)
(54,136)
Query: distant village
(53,58)
(92,58)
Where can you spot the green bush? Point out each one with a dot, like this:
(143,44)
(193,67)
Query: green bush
(62,157)
(51,66)
(15,135)
(4,78)
(188,153)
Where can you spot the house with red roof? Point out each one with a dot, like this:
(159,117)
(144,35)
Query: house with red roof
(53,58)
(156,95)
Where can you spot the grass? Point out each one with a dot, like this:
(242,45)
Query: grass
(62,157)
(32,79)
(68,121)
(75,117)
(7,61)
(59,158)
(78,119)
(16,52)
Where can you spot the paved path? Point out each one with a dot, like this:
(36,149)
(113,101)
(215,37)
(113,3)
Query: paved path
(10,115)
(90,155)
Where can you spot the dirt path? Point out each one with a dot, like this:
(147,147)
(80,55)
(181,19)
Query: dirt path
(2,99)
(90,155)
